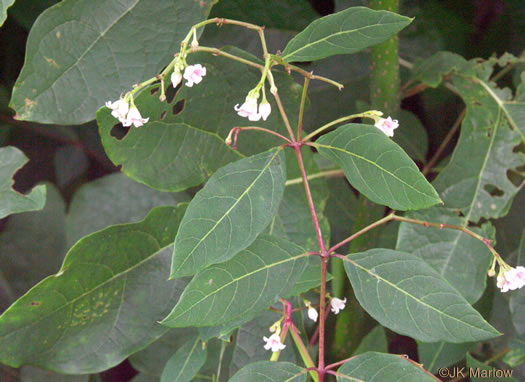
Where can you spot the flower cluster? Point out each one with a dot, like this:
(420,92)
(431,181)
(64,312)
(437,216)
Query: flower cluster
(274,342)
(511,279)
(125,114)
(192,74)
(249,109)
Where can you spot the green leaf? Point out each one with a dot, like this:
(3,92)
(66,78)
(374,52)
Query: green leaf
(280,14)
(309,278)
(268,371)
(249,282)
(516,356)
(380,367)
(96,311)
(412,136)
(433,69)
(406,295)
(375,340)
(81,53)
(225,217)
(26,262)
(437,355)
(34,374)
(249,343)
(448,250)
(185,363)
(377,167)
(344,32)
(11,201)
(4,4)
(113,199)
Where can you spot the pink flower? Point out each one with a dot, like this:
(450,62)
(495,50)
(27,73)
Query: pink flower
(338,304)
(512,279)
(387,126)
(248,108)
(193,74)
(119,109)
(312,314)
(264,109)
(176,77)
(134,118)
(274,343)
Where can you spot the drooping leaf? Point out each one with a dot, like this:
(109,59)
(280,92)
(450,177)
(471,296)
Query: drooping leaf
(403,293)
(249,282)
(375,340)
(11,201)
(279,14)
(27,261)
(185,363)
(381,367)
(182,145)
(344,32)
(268,371)
(377,167)
(448,250)
(81,53)
(249,343)
(437,355)
(4,4)
(96,310)
(225,217)
(113,199)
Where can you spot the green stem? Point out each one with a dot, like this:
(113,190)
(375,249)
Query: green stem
(335,122)
(301,107)
(309,363)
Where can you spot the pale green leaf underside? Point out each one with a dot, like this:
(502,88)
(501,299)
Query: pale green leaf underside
(81,53)
(225,217)
(447,250)
(268,371)
(95,312)
(249,282)
(405,294)
(345,32)
(378,167)
(381,367)
(11,201)
(185,363)
(4,4)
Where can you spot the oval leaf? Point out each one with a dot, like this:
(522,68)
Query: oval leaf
(378,167)
(185,363)
(380,367)
(11,201)
(225,217)
(269,371)
(97,311)
(345,32)
(81,53)
(249,282)
(405,294)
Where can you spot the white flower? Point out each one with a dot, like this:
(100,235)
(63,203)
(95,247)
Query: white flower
(134,118)
(338,304)
(248,108)
(264,109)
(119,109)
(193,74)
(274,343)
(512,279)
(176,77)
(387,125)
(312,314)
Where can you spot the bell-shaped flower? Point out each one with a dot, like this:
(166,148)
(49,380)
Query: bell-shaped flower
(134,118)
(193,74)
(176,77)
(119,109)
(274,343)
(511,279)
(312,314)
(387,125)
(337,304)
(249,108)
(264,109)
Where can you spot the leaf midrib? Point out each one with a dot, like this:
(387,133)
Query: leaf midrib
(90,291)
(375,275)
(245,192)
(187,359)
